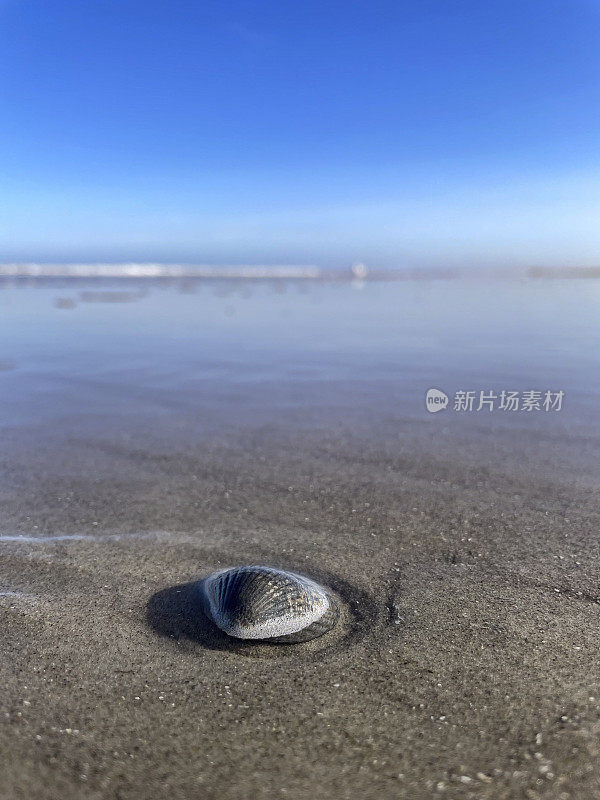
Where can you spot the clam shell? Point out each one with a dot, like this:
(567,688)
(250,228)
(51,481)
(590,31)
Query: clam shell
(257,602)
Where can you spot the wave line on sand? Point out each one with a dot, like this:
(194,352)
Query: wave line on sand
(80,537)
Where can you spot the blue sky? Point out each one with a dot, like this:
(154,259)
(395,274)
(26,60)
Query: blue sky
(431,132)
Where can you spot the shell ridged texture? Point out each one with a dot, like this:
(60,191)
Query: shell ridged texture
(257,602)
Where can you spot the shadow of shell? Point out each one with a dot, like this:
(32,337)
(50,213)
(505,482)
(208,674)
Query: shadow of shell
(176,612)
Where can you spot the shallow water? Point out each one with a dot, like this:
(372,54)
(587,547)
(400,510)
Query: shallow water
(233,345)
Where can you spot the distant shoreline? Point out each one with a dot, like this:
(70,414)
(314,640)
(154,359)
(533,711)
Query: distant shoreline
(294,272)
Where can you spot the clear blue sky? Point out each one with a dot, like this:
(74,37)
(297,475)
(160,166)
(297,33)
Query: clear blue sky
(424,132)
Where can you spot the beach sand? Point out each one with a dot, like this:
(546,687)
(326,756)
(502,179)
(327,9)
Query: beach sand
(465,554)
(466,662)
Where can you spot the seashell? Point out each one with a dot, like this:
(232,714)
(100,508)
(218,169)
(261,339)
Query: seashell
(259,602)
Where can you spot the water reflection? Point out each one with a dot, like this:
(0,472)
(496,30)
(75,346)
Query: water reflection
(405,335)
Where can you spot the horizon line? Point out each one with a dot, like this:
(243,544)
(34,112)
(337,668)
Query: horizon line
(356,272)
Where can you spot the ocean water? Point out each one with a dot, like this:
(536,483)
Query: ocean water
(83,353)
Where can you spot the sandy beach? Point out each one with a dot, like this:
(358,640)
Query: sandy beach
(463,548)
(307,288)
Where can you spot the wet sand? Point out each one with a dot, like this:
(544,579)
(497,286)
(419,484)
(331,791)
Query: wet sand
(465,553)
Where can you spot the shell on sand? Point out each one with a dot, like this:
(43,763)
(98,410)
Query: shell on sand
(257,602)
